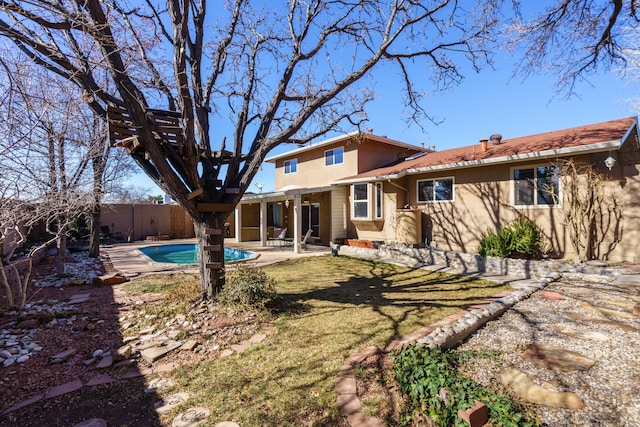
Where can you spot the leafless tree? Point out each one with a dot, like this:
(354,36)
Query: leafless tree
(574,38)
(590,211)
(280,72)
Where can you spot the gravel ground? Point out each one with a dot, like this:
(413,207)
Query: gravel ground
(610,388)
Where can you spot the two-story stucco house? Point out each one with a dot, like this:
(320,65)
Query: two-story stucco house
(371,188)
(305,199)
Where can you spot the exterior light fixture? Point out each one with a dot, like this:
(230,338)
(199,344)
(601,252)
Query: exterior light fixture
(609,162)
(286,203)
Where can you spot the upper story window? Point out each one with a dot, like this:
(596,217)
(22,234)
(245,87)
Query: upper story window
(334,157)
(290,166)
(435,190)
(536,186)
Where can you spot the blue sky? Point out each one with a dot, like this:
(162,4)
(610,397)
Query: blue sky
(492,101)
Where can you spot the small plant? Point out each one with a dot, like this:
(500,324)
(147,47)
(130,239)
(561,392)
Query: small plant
(422,372)
(247,287)
(520,239)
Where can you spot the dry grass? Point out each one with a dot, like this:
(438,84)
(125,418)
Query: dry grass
(330,308)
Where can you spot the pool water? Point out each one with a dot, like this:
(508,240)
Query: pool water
(187,253)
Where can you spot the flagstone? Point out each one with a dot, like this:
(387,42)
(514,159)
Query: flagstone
(61,357)
(576,316)
(170,402)
(608,312)
(553,296)
(191,417)
(100,379)
(105,362)
(93,422)
(154,353)
(581,334)
(525,388)
(257,338)
(558,358)
(64,389)
(27,402)
(240,347)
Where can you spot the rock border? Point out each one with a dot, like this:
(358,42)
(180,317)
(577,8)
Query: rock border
(446,333)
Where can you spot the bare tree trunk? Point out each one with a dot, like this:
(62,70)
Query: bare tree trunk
(94,237)
(98,164)
(6,284)
(61,245)
(209,231)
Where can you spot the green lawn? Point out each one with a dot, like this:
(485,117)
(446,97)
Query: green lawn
(331,308)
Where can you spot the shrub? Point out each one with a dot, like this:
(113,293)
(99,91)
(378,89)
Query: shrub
(520,239)
(422,372)
(247,287)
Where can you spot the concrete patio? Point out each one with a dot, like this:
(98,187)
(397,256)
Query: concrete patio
(128,260)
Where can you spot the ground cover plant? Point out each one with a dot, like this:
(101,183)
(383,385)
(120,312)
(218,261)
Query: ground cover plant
(435,387)
(328,309)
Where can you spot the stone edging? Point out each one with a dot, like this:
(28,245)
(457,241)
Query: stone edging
(518,268)
(445,333)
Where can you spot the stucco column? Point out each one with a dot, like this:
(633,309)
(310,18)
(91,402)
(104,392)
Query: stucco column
(238,223)
(263,223)
(297,223)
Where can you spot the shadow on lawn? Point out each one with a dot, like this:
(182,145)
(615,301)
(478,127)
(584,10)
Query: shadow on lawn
(396,293)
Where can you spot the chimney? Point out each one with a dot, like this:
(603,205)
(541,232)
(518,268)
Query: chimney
(496,138)
(483,144)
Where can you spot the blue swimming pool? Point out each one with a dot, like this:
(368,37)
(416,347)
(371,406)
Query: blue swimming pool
(187,253)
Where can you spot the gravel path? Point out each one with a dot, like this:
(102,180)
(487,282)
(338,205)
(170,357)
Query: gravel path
(598,320)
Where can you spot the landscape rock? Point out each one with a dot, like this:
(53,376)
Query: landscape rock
(191,417)
(558,358)
(525,388)
(110,279)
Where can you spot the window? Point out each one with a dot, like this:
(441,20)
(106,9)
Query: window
(435,190)
(334,157)
(367,204)
(379,200)
(537,186)
(290,166)
(360,201)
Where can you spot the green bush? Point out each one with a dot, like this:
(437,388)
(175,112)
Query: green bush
(422,372)
(520,239)
(247,287)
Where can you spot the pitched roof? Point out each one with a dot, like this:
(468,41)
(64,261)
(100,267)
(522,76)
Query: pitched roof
(343,138)
(581,139)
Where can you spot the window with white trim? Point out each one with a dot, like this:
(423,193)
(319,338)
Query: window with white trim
(535,186)
(435,190)
(379,201)
(290,166)
(367,201)
(360,201)
(334,157)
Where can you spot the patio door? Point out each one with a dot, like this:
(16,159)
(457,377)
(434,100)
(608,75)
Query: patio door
(311,218)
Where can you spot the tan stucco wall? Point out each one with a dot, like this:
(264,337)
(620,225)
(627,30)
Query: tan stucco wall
(359,156)
(482,201)
(311,170)
(373,155)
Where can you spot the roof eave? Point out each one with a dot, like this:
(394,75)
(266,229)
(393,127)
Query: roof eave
(584,149)
(340,138)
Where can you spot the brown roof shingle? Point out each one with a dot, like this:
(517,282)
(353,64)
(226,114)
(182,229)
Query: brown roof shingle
(595,133)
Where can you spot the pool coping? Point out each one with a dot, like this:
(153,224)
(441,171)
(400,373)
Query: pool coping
(254,255)
(129,261)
